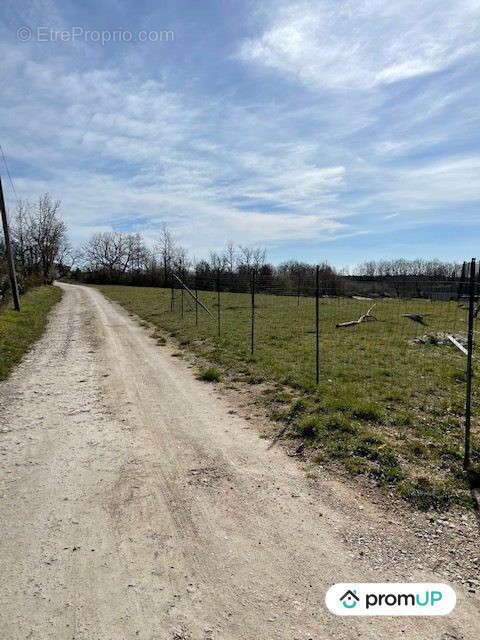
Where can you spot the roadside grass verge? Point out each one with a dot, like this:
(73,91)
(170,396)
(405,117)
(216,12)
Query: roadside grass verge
(19,330)
(384,408)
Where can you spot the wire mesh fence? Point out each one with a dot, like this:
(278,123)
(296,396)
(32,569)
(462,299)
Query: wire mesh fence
(378,381)
(402,359)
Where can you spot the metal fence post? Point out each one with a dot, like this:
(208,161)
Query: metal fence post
(252,334)
(196,301)
(172,298)
(317,337)
(463,277)
(182,304)
(218,301)
(468,399)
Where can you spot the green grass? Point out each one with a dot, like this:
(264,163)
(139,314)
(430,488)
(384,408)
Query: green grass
(211,374)
(383,408)
(19,330)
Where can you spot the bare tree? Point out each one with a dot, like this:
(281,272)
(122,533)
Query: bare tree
(21,235)
(217,261)
(165,246)
(67,258)
(113,253)
(140,256)
(39,237)
(252,257)
(180,261)
(230,257)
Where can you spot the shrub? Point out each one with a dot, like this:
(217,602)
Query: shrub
(210,375)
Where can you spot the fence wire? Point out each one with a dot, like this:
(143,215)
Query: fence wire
(400,359)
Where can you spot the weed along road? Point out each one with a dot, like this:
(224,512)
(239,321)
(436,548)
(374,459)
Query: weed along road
(134,504)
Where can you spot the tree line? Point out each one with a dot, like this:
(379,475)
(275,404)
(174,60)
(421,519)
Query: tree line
(42,252)
(114,257)
(123,258)
(402,268)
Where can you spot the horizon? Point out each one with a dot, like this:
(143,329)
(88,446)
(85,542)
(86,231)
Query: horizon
(326,132)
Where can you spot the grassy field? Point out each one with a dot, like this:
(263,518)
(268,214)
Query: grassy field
(384,407)
(19,330)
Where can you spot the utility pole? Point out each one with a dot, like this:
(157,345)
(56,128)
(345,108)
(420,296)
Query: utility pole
(8,249)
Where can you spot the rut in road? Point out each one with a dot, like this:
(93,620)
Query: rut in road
(134,505)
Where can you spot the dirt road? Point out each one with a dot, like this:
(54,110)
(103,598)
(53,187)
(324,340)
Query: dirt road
(134,505)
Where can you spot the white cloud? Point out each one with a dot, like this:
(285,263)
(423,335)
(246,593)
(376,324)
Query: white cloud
(77,126)
(363,43)
(432,190)
(218,165)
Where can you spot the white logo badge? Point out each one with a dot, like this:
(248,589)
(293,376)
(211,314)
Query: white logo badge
(390,599)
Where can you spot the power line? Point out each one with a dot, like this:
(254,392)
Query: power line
(8,173)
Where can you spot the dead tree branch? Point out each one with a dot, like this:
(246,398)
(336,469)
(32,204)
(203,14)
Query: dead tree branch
(366,317)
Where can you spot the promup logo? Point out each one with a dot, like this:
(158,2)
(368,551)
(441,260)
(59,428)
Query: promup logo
(350,599)
(390,599)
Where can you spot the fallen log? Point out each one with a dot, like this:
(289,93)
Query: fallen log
(366,317)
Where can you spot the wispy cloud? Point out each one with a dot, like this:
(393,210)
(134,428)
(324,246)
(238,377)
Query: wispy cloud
(81,125)
(363,43)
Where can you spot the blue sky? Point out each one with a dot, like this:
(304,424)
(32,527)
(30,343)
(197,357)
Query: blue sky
(338,130)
